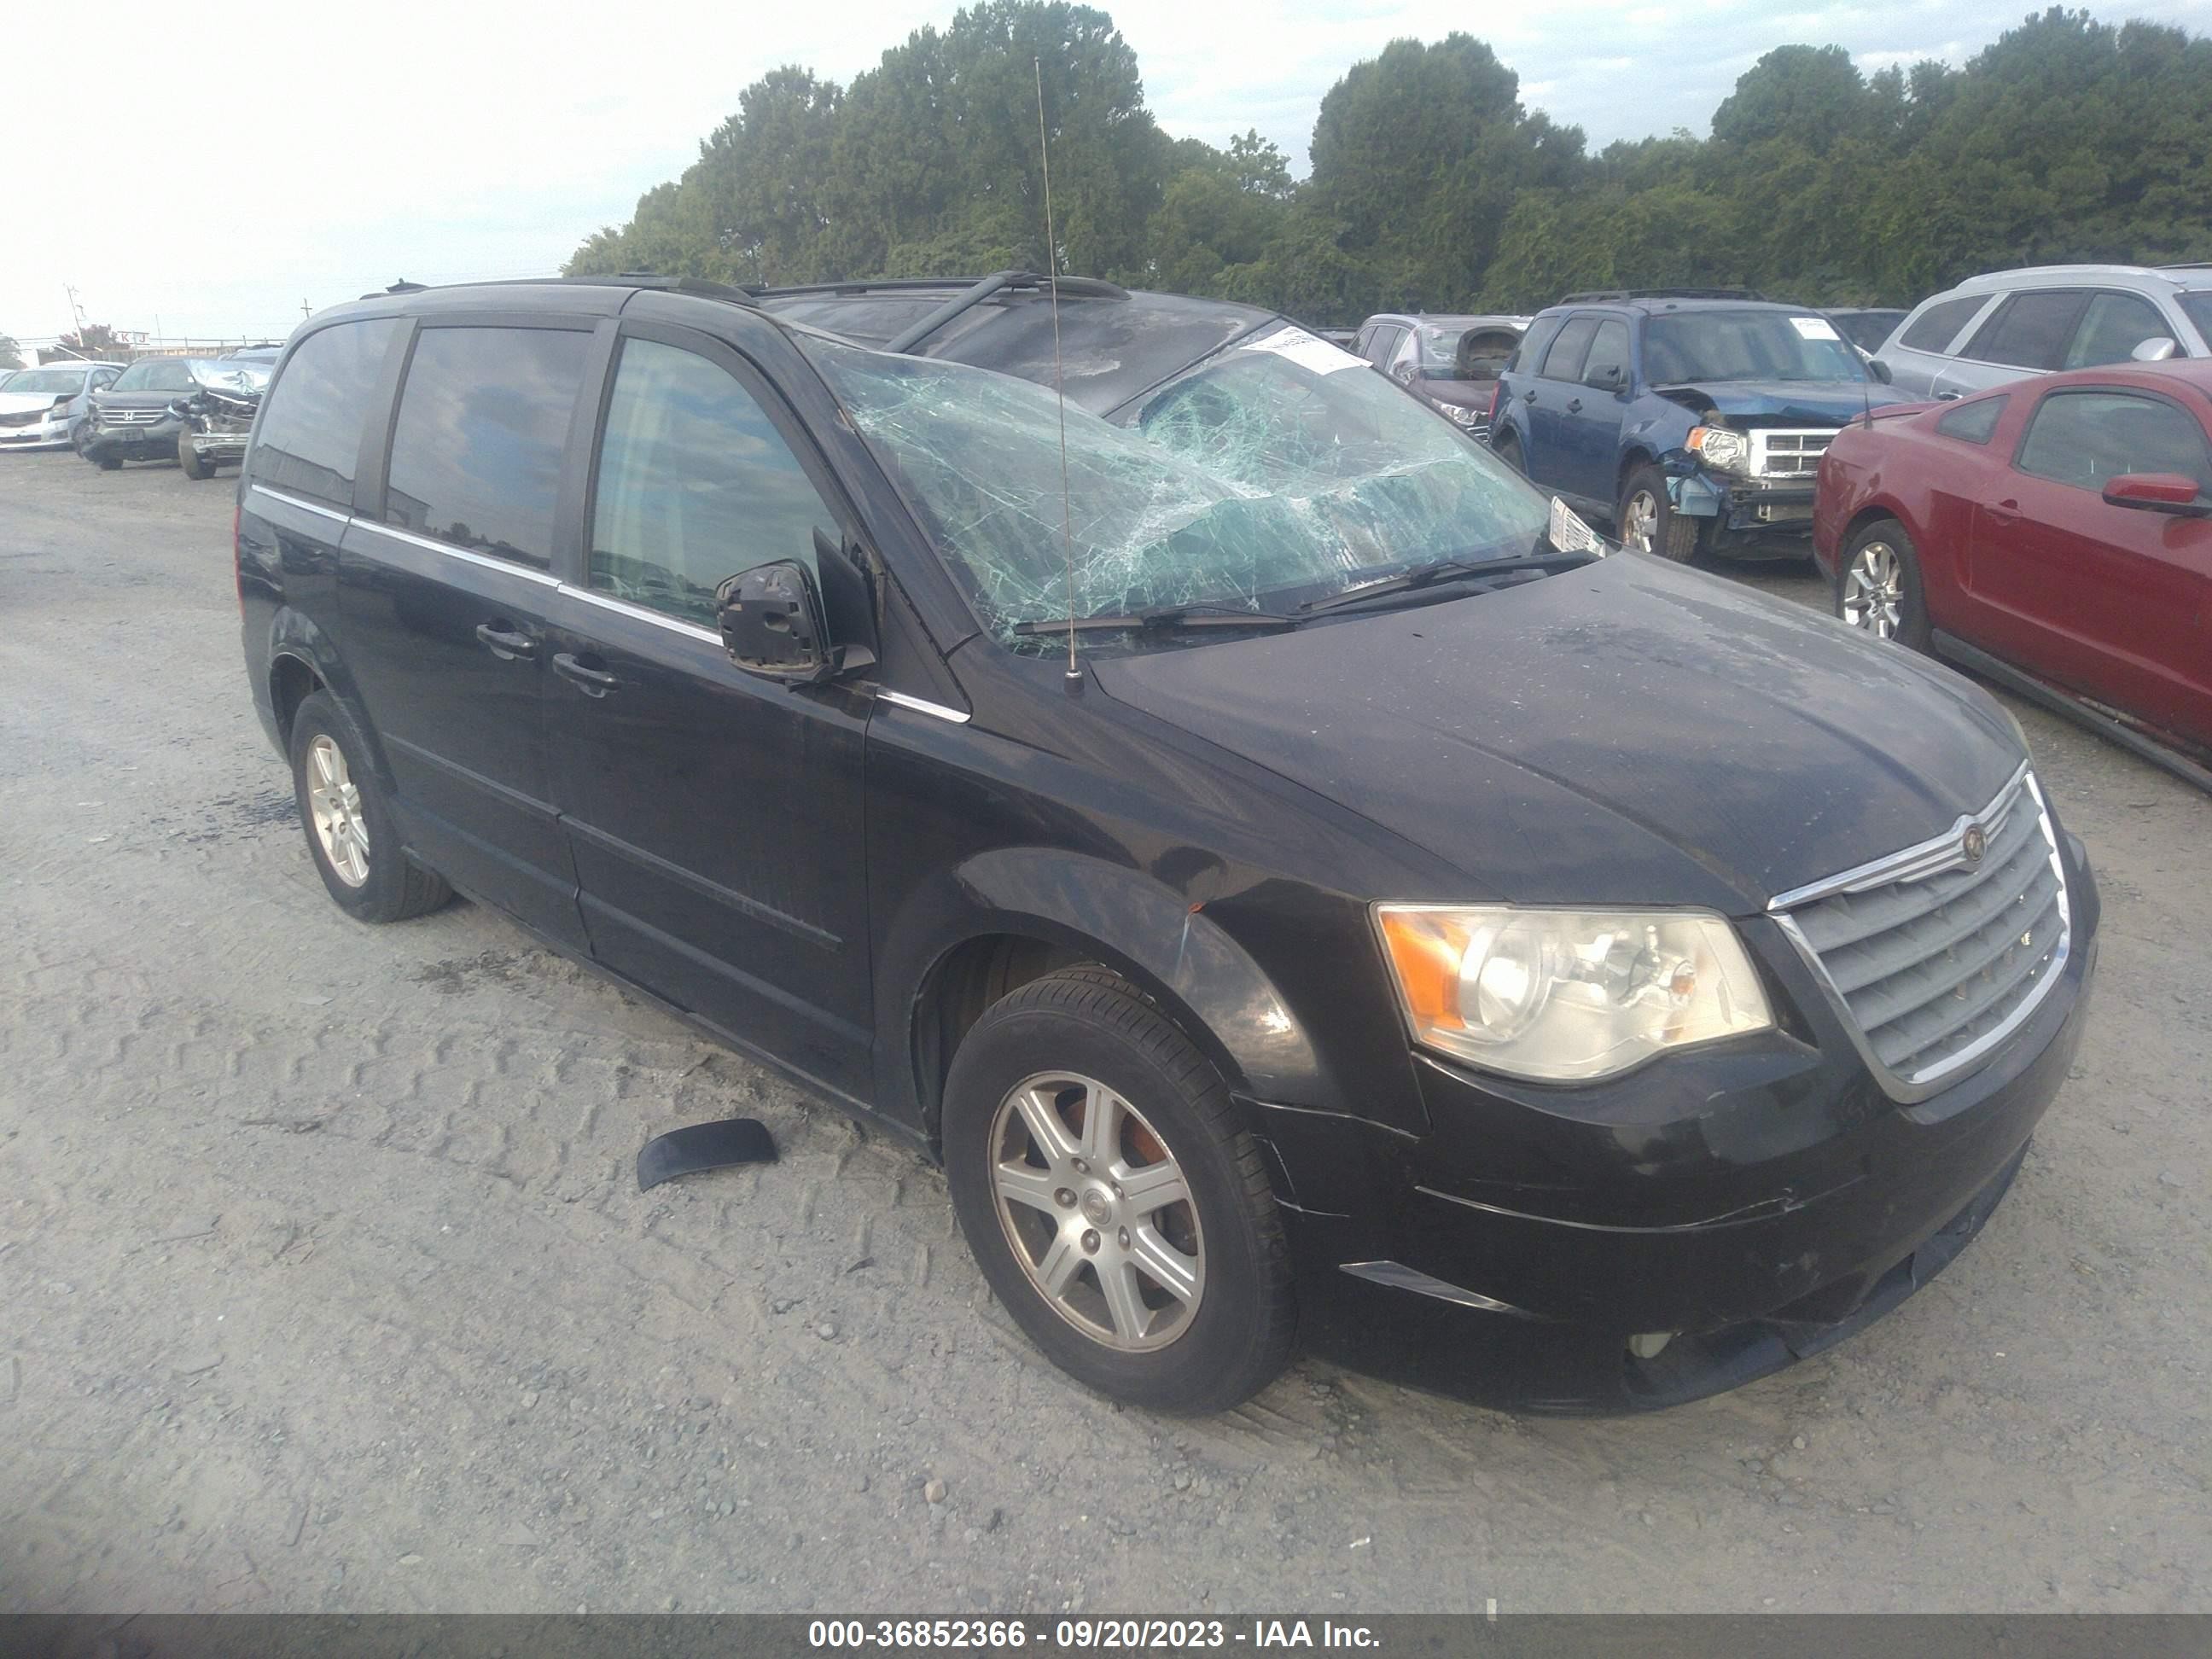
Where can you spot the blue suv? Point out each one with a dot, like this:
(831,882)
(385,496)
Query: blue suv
(1693,419)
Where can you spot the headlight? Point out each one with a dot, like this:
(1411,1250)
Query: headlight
(1718,448)
(1567,995)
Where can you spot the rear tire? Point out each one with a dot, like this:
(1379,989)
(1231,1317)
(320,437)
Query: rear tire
(1133,1112)
(350,833)
(1878,588)
(108,463)
(1646,520)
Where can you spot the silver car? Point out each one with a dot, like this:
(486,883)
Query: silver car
(2010,323)
(45,408)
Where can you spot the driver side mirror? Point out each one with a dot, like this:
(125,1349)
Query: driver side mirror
(772,623)
(2158,492)
(1607,377)
(1880,370)
(777,621)
(2155,350)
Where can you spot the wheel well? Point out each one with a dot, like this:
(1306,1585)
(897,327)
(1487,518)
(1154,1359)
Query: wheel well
(1860,520)
(968,980)
(1629,463)
(290,681)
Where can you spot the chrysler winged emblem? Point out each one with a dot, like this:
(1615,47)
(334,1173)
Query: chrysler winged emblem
(1973,844)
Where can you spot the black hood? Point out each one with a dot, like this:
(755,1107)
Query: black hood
(1628,732)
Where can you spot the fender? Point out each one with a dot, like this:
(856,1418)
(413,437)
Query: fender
(293,633)
(1123,917)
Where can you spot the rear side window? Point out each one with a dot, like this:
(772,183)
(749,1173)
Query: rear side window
(1564,361)
(2111,329)
(310,430)
(2031,332)
(1975,423)
(695,484)
(1936,327)
(1610,346)
(1530,351)
(2086,438)
(477,451)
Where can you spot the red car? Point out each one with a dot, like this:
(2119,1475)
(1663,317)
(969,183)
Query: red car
(2054,534)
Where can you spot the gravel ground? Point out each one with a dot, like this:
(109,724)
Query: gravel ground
(325,1283)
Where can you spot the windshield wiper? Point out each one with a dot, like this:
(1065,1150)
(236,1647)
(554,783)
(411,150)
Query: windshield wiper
(1449,570)
(1161,617)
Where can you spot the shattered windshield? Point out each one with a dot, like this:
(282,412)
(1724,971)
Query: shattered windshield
(1270,472)
(1746,345)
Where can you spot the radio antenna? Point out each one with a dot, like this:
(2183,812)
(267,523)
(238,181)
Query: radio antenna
(1059,381)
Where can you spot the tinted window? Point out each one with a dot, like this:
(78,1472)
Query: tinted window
(1611,346)
(2031,331)
(475,454)
(2198,309)
(1384,342)
(310,430)
(1975,423)
(2113,327)
(1564,361)
(2085,438)
(695,484)
(1938,325)
(1530,351)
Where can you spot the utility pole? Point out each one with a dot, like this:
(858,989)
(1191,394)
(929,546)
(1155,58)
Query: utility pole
(303,308)
(77,311)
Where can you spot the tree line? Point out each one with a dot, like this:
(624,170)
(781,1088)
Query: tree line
(1433,188)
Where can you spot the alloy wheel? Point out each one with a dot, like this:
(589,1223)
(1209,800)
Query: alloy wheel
(1099,1212)
(1874,590)
(1639,522)
(334,803)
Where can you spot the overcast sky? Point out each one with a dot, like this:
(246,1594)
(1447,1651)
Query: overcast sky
(208,170)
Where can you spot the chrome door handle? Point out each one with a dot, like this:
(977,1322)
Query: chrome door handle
(505,642)
(592,682)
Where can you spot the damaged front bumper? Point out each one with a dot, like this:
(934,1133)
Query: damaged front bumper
(1680,1231)
(52,433)
(1745,510)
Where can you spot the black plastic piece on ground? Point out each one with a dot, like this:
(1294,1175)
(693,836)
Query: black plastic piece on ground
(697,1147)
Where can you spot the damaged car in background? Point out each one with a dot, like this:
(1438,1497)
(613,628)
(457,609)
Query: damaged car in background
(1450,362)
(1301,883)
(216,416)
(1692,420)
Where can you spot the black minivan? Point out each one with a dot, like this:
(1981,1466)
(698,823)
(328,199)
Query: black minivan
(1303,886)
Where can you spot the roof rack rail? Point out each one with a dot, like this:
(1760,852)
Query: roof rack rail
(912,336)
(640,279)
(1596,295)
(1083,288)
(403,286)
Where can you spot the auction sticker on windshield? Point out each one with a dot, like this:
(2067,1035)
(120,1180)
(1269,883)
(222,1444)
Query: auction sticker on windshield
(1308,351)
(1815,328)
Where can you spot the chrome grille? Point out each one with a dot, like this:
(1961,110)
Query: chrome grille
(25,417)
(1776,454)
(1935,956)
(131,417)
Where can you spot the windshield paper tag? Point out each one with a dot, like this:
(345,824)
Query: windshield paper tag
(1815,328)
(1570,534)
(1308,351)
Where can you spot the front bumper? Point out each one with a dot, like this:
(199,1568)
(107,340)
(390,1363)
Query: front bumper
(43,434)
(154,441)
(1746,510)
(218,446)
(1759,1201)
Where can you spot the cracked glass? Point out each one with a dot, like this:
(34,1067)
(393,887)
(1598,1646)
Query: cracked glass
(1270,473)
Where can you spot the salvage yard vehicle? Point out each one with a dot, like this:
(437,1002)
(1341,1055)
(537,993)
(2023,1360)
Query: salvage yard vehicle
(218,414)
(2044,319)
(1865,326)
(1691,419)
(1451,362)
(1300,885)
(2055,534)
(44,408)
(135,417)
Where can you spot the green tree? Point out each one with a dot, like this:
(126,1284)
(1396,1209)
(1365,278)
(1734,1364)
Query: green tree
(11,354)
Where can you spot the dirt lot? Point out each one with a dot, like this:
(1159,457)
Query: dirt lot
(325,1283)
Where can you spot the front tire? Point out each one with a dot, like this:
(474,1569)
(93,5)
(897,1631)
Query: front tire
(1878,588)
(350,833)
(190,458)
(1646,520)
(1112,1201)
